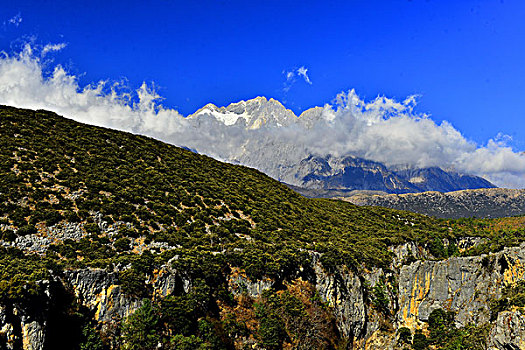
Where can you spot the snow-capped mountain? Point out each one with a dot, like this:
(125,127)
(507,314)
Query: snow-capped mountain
(315,149)
(255,113)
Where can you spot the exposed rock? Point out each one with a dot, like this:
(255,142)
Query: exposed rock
(344,292)
(66,230)
(238,284)
(437,179)
(405,251)
(347,173)
(464,285)
(168,280)
(32,243)
(508,332)
(100,291)
(7,335)
(33,336)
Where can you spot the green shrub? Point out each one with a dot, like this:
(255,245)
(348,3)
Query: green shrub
(122,244)
(404,336)
(140,330)
(133,283)
(419,341)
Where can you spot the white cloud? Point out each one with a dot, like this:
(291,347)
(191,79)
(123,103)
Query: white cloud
(291,77)
(16,20)
(383,129)
(52,48)
(24,84)
(303,72)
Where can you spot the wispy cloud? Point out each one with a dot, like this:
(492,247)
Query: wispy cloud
(382,129)
(52,48)
(303,72)
(292,75)
(15,20)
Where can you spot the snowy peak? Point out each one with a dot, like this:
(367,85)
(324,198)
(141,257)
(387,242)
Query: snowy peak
(255,113)
(221,114)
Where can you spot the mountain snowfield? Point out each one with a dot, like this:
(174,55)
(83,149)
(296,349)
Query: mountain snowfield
(261,132)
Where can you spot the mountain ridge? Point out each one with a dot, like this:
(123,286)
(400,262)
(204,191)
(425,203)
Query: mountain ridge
(480,203)
(353,173)
(270,141)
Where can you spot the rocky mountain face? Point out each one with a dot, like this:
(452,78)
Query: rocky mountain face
(436,179)
(254,114)
(348,173)
(480,203)
(263,134)
(353,173)
(370,308)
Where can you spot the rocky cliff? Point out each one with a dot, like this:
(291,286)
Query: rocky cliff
(369,307)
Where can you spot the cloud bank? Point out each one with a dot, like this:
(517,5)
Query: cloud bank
(383,129)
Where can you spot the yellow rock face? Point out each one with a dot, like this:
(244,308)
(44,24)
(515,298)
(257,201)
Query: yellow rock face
(32,337)
(420,289)
(514,273)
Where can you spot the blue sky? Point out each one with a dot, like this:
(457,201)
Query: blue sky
(465,58)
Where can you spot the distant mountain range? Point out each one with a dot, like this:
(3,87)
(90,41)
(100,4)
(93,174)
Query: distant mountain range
(480,203)
(263,134)
(353,173)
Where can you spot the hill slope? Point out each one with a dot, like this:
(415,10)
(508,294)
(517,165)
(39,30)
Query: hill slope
(54,170)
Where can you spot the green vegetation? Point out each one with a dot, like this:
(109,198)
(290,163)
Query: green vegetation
(139,330)
(177,322)
(512,296)
(19,275)
(497,233)
(380,300)
(91,339)
(444,335)
(296,316)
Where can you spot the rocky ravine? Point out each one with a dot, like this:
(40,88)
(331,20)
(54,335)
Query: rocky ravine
(465,285)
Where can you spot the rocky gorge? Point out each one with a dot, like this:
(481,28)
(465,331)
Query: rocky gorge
(467,286)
